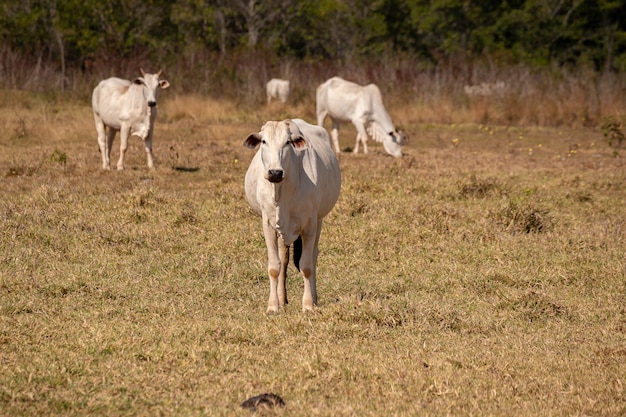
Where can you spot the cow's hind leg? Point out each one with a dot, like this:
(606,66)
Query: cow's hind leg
(103,143)
(110,137)
(124,133)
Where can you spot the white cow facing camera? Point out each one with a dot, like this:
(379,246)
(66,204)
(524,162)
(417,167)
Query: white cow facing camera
(127,107)
(293,182)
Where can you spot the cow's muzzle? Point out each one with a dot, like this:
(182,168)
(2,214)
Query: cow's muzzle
(152,103)
(275,175)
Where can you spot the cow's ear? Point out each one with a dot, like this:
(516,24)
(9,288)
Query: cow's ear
(252,141)
(164,84)
(299,143)
(138,81)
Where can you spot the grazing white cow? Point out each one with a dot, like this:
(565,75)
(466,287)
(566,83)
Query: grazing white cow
(277,89)
(127,107)
(293,182)
(486,89)
(363,106)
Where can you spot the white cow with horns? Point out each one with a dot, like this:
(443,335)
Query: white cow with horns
(292,182)
(127,107)
(277,89)
(363,106)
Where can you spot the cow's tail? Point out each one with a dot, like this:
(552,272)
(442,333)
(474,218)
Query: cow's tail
(297,252)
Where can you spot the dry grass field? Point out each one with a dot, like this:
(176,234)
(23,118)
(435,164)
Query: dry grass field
(481,274)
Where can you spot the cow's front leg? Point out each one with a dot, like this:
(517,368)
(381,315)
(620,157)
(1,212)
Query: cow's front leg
(308,266)
(334,134)
(273,265)
(361,136)
(364,140)
(124,133)
(283,251)
(150,156)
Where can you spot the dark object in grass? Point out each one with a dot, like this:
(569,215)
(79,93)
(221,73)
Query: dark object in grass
(267,400)
(186,169)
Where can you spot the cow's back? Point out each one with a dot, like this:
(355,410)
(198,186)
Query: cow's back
(117,101)
(109,101)
(109,90)
(343,100)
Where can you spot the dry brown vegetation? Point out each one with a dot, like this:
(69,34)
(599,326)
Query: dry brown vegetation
(481,274)
(545,96)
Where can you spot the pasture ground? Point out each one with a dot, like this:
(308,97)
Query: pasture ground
(481,274)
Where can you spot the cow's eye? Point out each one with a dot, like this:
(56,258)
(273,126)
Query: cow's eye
(263,141)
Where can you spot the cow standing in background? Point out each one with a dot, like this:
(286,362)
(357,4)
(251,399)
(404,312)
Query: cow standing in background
(277,89)
(363,106)
(127,107)
(293,182)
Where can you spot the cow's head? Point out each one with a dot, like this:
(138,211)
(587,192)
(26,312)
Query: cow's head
(151,85)
(393,143)
(279,143)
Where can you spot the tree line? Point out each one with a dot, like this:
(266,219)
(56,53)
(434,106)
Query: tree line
(534,32)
